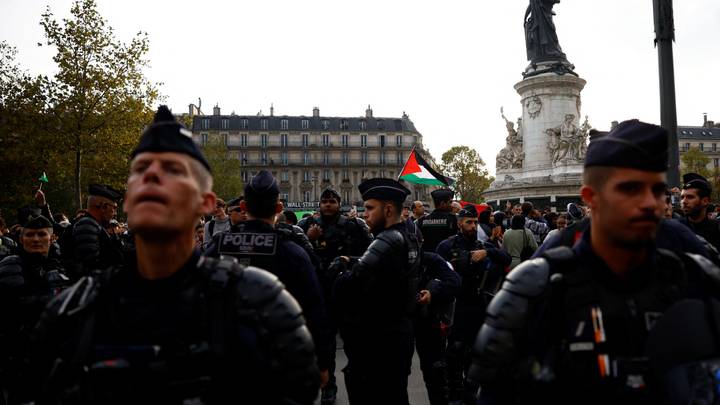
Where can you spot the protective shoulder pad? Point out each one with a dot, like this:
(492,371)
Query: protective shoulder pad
(559,254)
(86,224)
(392,237)
(529,278)
(257,286)
(11,272)
(707,267)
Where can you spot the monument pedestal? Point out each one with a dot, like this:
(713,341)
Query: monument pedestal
(549,171)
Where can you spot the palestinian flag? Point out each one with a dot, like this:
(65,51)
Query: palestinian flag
(418,171)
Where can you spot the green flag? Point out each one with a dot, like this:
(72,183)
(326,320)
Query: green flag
(43,178)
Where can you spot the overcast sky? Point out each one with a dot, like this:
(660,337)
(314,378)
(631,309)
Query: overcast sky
(449,65)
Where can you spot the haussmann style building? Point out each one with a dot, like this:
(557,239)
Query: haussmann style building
(309,153)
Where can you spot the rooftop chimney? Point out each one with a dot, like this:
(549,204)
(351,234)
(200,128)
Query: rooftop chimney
(216,110)
(705,121)
(316,112)
(368,112)
(613,125)
(272,110)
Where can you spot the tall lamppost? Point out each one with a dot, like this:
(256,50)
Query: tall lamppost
(664,37)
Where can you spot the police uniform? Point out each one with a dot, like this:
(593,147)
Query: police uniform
(440,224)
(375,298)
(341,236)
(431,323)
(708,229)
(565,329)
(28,281)
(212,332)
(86,244)
(257,243)
(480,282)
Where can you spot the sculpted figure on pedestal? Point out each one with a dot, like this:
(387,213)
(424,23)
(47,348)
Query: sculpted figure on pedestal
(512,155)
(568,143)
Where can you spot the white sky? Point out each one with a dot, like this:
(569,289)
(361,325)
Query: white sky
(450,65)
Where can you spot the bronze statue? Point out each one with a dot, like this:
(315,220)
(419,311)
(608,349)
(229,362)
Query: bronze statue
(540,37)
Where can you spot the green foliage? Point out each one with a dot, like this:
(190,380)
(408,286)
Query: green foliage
(226,169)
(695,161)
(80,124)
(468,169)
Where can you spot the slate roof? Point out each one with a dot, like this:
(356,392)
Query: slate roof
(698,133)
(334,124)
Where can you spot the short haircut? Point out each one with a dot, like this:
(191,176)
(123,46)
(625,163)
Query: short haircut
(397,204)
(202,175)
(526,207)
(262,207)
(517,222)
(291,216)
(597,176)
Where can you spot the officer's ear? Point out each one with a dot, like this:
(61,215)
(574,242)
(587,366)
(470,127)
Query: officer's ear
(208,202)
(278,207)
(588,195)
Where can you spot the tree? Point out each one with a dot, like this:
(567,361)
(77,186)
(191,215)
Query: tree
(99,100)
(694,161)
(226,170)
(468,169)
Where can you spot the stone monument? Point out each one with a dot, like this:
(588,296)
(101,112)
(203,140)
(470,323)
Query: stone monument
(542,160)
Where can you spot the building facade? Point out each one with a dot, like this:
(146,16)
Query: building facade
(309,153)
(705,138)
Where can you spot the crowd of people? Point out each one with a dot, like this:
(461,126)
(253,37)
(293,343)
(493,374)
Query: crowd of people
(200,300)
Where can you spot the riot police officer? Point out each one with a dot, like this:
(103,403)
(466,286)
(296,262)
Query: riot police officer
(441,223)
(169,326)
(86,244)
(375,298)
(482,267)
(571,327)
(438,287)
(256,242)
(28,281)
(695,199)
(333,234)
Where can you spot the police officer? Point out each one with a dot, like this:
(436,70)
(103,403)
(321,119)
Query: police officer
(255,242)
(333,234)
(28,281)
(86,244)
(375,298)
(441,223)
(694,199)
(439,285)
(571,327)
(482,267)
(169,326)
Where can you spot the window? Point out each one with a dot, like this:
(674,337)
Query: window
(345,159)
(381,174)
(714,147)
(306,176)
(381,124)
(284,196)
(326,158)
(244,123)
(399,158)
(687,146)
(244,176)
(225,123)
(326,140)
(243,140)
(364,158)
(263,158)
(343,124)
(326,174)
(398,140)
(204,138)
(284,176)
(283,124)
(346,195)
(325,124)
(345,141)
(305,124)
(305,140)
(716,162)
(206,123)
(283,157)
(306,196)
(306,158)
(263,141)
(382,158)
(243,158)
(264,123)
(363,141)
(701,147)
(284,140)
(363,125)
(346,175)
(382,141)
